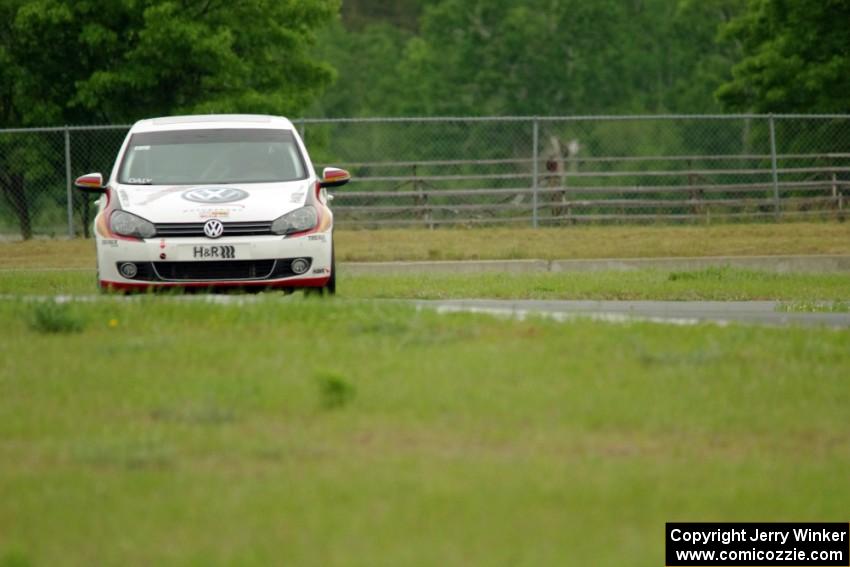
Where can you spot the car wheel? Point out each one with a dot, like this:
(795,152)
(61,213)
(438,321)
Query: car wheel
(330,287)
(100,287)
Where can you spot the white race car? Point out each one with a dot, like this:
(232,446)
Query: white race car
(229,201)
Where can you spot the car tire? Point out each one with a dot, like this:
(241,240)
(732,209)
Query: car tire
(99,285)
(330,287)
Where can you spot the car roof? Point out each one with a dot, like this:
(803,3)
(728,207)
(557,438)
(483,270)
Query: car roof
(207,121)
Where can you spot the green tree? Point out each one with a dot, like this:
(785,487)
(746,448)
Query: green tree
(402,14)
(796,57)
(500,57)
(115,61)
(366,61)
(564,57)
(682,60)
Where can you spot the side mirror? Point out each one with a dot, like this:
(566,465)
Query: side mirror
(91,183)
(334,177)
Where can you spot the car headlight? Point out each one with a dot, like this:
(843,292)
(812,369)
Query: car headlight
(127,224)
(298,220)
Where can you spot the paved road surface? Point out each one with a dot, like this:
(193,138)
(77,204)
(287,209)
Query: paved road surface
(672,312)
(677,312)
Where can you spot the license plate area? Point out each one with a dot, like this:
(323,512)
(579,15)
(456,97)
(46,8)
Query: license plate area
(207,252)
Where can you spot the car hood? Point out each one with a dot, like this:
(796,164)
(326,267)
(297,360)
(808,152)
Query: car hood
(230,202)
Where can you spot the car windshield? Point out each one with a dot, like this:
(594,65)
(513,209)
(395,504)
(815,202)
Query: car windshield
(212,156)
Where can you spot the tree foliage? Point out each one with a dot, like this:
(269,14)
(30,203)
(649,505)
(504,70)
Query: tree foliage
(796,57)
(366,62)
(119,60)
(403,14)
(536,57)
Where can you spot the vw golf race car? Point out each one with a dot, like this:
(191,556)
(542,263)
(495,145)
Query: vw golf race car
(228,201)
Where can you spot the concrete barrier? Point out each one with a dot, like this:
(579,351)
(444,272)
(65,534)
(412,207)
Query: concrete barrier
(461,267)
(779,264)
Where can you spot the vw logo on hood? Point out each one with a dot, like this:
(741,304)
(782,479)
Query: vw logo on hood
(213,228)
(215,195)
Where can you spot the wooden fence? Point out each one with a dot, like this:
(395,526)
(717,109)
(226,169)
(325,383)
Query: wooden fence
(603,189)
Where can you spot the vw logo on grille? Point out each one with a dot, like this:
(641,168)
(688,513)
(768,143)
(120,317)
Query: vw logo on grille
(215,195)
(213,228)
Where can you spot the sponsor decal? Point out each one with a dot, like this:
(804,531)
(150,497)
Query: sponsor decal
(320,237)
(213,228)
(215,214)
(215,195)
(222,252)
(109,242)
(204,213)
(140,181)
(297,197)
(321,271)
(156,195)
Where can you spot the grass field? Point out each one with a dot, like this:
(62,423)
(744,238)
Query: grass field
(516,243)
(708,284)
(350,432)
(335,433)
(726,284)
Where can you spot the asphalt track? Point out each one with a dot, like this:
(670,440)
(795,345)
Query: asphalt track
(768,313)
(673,312)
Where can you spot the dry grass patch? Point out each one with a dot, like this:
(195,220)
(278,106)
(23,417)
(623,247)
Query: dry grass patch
(516,243)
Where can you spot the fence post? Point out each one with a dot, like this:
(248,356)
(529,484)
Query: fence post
(536,175)
(773,166)
(68,183)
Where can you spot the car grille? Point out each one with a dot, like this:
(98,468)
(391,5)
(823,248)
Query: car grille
(217,270)
(189,229)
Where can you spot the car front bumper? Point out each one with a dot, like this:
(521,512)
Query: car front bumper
(234,262)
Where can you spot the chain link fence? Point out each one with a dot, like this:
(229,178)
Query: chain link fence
(428,172)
